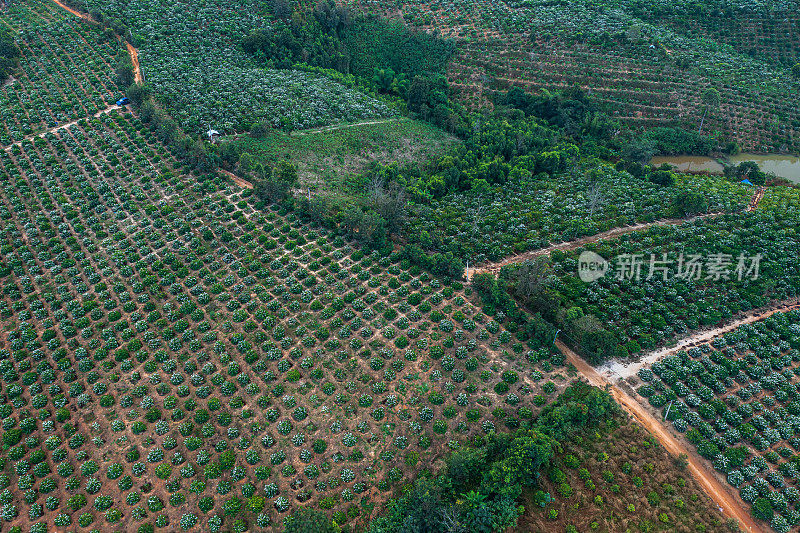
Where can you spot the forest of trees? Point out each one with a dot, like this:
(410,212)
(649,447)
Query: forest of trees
(384,56)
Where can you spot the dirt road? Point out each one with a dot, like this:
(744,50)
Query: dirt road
(137,70)
(61,127)
(494,268)
(759,194)
(237,180)
(84,16)
(622,370)
(729,503)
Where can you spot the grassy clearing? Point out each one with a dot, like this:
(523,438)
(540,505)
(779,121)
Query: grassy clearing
(331,159)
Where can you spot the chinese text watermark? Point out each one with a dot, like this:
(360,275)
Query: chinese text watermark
(665,266)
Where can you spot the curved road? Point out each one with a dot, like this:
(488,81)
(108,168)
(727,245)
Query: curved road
(343,126)
(134,53)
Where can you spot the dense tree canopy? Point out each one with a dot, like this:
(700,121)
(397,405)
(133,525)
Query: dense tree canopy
(9,54)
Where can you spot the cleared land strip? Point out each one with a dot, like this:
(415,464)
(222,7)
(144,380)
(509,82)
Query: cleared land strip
(109,109)
(728,502)
(137,70)
(237,180)
(343,126)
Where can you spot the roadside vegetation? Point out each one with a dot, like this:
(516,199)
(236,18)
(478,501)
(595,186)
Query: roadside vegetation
(624,313)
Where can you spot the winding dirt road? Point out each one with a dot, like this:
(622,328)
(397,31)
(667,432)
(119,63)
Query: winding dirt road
(728,502)
(133,52)
(759,194)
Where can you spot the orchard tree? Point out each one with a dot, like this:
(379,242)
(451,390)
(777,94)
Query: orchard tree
(9,54)
(388,201)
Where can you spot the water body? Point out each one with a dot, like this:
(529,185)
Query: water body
(785,166)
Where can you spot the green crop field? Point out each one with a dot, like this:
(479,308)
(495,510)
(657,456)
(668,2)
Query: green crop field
(618,478)
(358,305)
(143,362)
(66,73)
(736,400)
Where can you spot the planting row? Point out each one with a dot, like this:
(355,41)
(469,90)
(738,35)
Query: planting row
(65,74)
(736,399)
(530,212)
(191,55)
(175,357)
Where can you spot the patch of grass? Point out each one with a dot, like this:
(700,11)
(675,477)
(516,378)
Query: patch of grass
(326,160)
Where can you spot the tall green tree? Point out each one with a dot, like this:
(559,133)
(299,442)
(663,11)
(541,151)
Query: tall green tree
(309,521)
(9,54)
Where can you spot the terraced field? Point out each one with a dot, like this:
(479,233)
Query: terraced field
(649,71)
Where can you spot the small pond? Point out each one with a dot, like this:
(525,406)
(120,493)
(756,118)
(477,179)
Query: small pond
(785,166)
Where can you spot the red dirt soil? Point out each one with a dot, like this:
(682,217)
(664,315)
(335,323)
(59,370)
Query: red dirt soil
(237,180)
(84,16)
(137,70)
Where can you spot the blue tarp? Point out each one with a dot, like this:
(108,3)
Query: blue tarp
(747,182)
